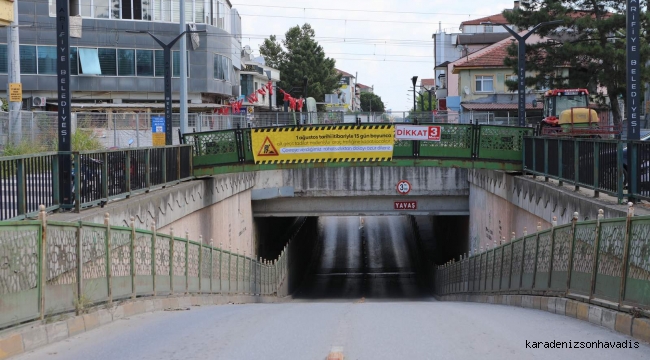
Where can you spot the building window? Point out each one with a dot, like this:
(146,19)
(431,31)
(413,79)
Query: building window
(160,63)
(89,60)
(126,62)
(246,85)
(47,60)
(176,63)
(102,9)
(27,59)
(145,62)
(484,84)
(108,61)
(489,28)
(74,61)
(218,69)
(4,64)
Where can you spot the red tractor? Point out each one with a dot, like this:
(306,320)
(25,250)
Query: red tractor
(567,113)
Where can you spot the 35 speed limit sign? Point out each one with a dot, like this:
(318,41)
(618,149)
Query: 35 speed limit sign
(403,187)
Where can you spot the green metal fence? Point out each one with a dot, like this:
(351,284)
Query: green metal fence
(605,262)
(458,142)
(48,268)
(28,181)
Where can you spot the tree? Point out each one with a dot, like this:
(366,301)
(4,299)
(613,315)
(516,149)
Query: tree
(300,56)
(423,99)
(371,102)
(590,42)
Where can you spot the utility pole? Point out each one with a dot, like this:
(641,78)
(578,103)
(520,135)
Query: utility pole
(167,55)
(13,57)
(521,65)
(64,128)
(183,74)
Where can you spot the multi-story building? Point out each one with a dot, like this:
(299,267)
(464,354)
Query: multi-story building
(474,35)
(116,70)
(345,98)
(254,76)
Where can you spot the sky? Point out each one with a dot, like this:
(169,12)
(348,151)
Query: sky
(385,42)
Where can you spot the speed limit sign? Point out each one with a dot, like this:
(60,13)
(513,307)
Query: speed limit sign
(403,187)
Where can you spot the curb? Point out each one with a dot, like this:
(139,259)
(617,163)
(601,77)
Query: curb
(638,328)
(27,337)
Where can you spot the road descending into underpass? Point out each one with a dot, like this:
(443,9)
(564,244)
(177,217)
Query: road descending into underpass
(364,298)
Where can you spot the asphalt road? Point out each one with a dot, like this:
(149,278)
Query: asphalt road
(365,298)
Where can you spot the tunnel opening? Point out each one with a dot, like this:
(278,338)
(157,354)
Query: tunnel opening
(354,257)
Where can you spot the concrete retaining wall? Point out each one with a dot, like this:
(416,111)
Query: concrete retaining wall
(228,222)
(624,323)
(164,206)
(501,203)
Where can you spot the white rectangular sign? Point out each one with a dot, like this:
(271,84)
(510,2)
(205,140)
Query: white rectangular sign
(416,132)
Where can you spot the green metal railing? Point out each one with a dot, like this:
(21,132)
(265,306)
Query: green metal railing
(599,165)
(605,262)
(99,176)
(51,267)
(465,142)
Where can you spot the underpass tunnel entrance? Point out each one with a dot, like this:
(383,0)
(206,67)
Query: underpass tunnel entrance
(353,257)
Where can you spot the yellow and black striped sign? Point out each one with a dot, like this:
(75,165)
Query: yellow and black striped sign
(313,144)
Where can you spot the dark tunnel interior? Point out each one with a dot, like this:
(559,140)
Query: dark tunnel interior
(372,257)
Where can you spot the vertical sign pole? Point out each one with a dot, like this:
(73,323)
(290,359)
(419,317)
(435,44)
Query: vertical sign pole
(168,94)
(633,84)
(521,77)
(63,102)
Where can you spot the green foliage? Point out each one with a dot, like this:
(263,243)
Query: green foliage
(423,99)
(83,139)
(300,56)
(368,99)
(23,148)
(5,104)
(590,42)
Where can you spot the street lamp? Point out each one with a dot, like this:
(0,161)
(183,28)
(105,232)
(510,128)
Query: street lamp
(414,80)
(521,77)
(167,56)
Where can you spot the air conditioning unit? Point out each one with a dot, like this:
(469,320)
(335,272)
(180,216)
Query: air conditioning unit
(38,101)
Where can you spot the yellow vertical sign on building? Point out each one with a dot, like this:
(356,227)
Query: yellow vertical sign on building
(15,92)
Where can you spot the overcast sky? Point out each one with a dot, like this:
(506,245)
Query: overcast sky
(401,47)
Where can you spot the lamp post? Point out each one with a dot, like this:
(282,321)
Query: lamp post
(167,56)
(521,77)
(414,80)
(268,74)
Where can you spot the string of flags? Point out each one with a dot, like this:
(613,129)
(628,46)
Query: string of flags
(235,106)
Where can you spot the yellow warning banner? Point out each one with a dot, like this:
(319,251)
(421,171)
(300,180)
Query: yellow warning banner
(340,143)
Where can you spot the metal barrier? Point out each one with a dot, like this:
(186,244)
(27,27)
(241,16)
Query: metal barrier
(56,267)
(458,141)
(99,176)
(600,165)
(605,262)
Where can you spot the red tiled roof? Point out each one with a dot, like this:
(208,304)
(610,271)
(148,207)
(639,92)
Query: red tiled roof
(428,82)
(361,86)
(492,57)
(496,106)
(343,73)
(495,19)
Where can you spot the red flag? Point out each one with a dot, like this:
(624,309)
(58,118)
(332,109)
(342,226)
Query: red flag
(292,103)
(261,91)
(269,86)
(301,102)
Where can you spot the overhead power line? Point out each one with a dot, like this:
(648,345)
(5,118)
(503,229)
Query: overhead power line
(432,23)
(356,10)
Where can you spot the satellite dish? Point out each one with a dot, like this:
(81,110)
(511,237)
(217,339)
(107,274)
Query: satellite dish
(466,90)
